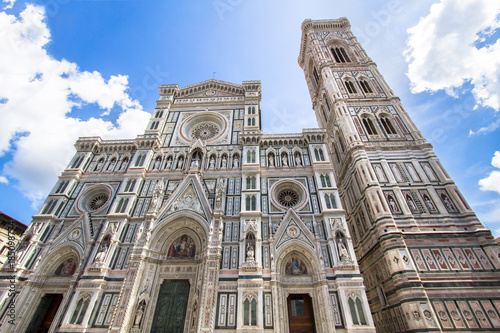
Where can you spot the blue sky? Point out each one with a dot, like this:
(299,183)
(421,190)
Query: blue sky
(84,68)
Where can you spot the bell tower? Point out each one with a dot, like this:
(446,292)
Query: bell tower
(416,239)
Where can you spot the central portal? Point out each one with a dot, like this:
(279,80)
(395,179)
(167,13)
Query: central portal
(300,313)
(170,313)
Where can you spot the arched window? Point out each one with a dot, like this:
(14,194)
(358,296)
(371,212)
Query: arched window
(140,159)
(339,54)
(325,181)
(370,128)
(62,186)
(249,122)
(250,311)
(315,75)
(251,202)
(318,153)
(386,123)
(330,201)
(350,87)
(77,162)
(80,310)
(251,156)
(49,207)
(357,313)
(365,85)
(251,182)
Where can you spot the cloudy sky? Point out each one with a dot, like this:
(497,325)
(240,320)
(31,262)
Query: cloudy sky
(88,68)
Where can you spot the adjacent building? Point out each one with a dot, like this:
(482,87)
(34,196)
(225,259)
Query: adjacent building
(204,223)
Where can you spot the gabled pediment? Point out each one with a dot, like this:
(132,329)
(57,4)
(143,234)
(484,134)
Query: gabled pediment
(77,234)
(293,229)
(211,88)
(188,196)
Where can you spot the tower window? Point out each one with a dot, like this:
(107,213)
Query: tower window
(340,55)
(250,312)
(350,87)
(316,76)
(80,310)
(251,122)
(386,122)
(370,128)
(366,86)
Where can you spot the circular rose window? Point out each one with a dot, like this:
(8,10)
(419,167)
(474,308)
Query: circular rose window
(289,193)
(98,201)
(288,198)
(207,126)
(205,131)
(94,198)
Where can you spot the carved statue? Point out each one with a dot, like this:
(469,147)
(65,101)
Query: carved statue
(180,162)
(284,159)
(157,193)
(101,255)
(344,254)
(212,163)
(138,315)
(236,162)
(298,161)
(271,160)
(224,162)
(250,253)
(169,164)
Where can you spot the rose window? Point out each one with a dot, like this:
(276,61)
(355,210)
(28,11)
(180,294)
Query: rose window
(288,198)
(205,131)
(98,201)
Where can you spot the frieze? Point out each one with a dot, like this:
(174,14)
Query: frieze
(209,100)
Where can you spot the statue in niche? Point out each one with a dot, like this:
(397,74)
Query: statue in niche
(411,204)
(236,162)
(112,164)
(250,253)
(298,160)
(157,164)
(157,193)
(67,268)
(182,247)
(429,203)
(284,160)
(224,162)
(138,314)
(180,162)
(123,166)
(212,163)
(101,255)
(295,266)
(169,163)
(271,160)
(393,204)
(343,253)
(447,202)
(99,165)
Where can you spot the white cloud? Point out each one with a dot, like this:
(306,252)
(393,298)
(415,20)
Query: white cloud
(442,52)
(492,182)
(3,180)
(9,4)
(37,94)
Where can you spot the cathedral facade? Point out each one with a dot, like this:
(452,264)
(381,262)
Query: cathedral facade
(206,224)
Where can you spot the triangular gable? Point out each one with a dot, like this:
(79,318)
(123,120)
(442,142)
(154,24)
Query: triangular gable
(189,195)
(211,88)
(77,234)
(293,229)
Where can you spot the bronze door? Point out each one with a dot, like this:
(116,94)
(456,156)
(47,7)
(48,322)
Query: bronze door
(300,314)
(45,313)
(171,307)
